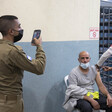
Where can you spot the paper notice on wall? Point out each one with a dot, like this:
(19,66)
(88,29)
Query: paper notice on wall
(94,33)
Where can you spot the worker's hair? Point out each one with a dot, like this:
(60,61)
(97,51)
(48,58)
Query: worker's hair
(6,23)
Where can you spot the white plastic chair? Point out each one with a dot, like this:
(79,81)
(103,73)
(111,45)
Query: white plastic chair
(66,83)
(66,80)
(77,110)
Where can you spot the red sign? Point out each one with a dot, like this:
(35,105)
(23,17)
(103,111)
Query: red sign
(94,33)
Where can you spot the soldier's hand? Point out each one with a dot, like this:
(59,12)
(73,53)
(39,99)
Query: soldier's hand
(36,41)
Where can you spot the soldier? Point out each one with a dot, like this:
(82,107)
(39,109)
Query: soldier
(13,61)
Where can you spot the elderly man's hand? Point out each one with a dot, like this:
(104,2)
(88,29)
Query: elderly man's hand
(95,104)
(109,100)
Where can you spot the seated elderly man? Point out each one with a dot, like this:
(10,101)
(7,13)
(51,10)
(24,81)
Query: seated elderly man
(80,92)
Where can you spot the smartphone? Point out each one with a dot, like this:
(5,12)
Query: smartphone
(36,34)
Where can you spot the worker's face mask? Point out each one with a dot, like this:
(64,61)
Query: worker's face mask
(84,65)
(19,36)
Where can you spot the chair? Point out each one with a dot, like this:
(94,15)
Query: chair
(66,83)
(77,110)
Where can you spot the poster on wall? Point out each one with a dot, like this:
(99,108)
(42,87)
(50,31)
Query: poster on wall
(94,33)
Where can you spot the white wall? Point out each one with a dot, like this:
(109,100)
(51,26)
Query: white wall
(60,20)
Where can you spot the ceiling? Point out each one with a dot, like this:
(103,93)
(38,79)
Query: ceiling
(106,3)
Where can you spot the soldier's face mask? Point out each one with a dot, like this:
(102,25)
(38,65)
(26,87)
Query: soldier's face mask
(19,36)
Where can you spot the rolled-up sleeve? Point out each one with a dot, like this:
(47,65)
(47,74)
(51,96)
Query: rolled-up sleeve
(105,55)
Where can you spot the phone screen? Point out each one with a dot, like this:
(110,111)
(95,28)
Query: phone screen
(36,34)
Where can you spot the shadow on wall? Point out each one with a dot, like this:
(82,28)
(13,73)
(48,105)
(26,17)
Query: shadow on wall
(55,98)
(30,97)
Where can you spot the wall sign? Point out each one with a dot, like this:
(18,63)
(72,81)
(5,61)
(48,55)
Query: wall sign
(94,33)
